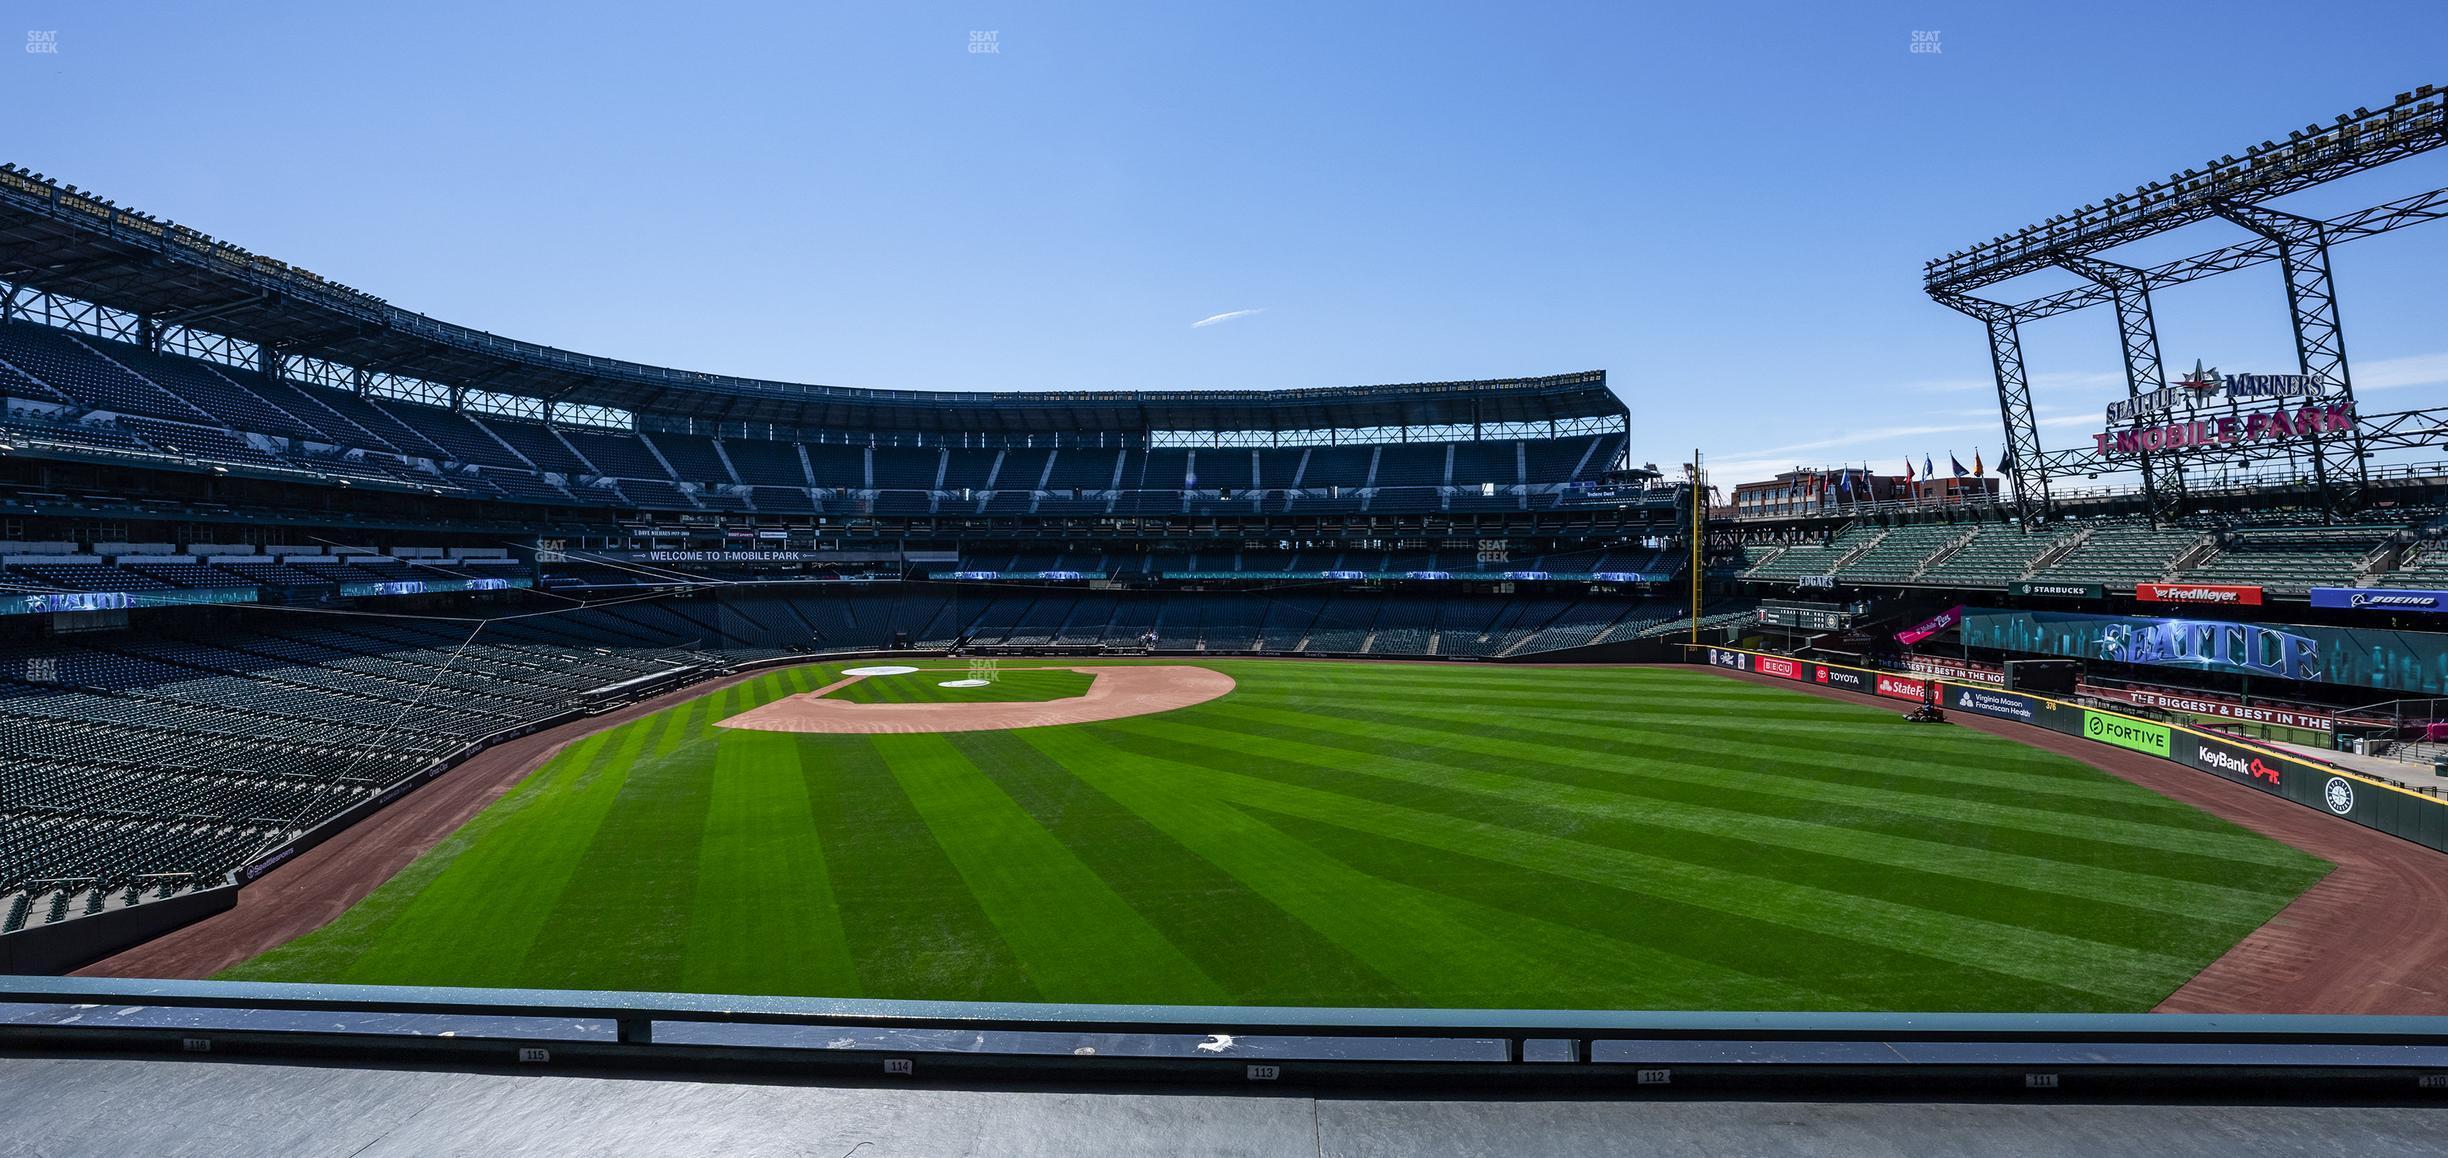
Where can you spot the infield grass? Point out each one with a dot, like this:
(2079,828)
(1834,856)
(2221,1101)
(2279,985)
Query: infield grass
(1332,834)
(925,686)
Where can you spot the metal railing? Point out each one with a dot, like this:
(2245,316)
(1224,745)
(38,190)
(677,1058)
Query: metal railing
(925,1039)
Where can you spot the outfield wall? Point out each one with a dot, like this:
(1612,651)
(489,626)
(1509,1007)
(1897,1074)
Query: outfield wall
(2370,802)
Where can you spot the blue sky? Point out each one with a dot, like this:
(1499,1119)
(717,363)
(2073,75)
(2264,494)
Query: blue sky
(1726,208)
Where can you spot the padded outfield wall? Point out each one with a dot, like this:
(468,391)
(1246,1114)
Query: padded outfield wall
(2363,800)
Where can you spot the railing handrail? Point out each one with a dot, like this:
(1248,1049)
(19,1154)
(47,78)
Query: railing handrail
(1284,1020)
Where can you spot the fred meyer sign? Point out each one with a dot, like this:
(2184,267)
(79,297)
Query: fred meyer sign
(2380,599)
(2198,593)
(2139,735)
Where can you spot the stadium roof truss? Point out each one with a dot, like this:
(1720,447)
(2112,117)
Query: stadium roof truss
(147,278)
(2232,190)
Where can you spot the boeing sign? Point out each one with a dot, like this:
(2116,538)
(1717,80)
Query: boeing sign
(2381,599)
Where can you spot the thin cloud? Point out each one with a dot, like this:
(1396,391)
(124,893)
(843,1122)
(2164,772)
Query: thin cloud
(1226,316)
(2396,373)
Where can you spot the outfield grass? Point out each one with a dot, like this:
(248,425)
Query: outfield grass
(925,686)
(1333,834)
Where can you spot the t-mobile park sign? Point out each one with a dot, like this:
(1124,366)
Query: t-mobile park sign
(2228,430)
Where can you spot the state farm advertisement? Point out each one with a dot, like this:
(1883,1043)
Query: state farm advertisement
(1900,688)
(1772,665)
(2218,593)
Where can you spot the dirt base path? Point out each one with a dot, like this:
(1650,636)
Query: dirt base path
(2371,937)
(1113,693)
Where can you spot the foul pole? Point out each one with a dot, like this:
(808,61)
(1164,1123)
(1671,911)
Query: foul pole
(1699,498)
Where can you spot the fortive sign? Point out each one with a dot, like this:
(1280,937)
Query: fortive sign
(2380,599)
(2138,735)
(2198,593)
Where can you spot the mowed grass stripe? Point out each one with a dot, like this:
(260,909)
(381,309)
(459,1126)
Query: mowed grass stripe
(1446,951)
(638,871)
(1076,939)
(1851,780)
(1853,969)
(2020,855)
(1998,946)
(1829,907)
(913,927)
(1939,763)
(762,881)
(505,884)
(334,951)
(1239,938)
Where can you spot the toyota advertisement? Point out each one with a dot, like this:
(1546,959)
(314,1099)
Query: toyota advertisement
(1845,678)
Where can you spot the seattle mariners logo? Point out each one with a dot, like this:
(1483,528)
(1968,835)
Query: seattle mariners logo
(2338,795)
(2203,383)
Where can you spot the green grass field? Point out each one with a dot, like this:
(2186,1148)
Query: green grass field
(1333,834)
(925,686)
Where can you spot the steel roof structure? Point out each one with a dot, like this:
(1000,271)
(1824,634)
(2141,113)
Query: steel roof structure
(61,241)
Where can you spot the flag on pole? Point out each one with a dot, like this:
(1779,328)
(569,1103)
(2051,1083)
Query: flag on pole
(2006,462)
(1957,463)
(1976,462)
(1928,468)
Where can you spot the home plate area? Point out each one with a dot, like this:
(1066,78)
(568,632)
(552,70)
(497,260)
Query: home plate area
(1113,693)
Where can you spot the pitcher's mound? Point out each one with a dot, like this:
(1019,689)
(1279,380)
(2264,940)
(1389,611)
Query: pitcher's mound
(1113,693)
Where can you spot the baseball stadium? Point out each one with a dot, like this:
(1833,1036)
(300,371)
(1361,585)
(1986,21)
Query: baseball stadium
(361,665)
